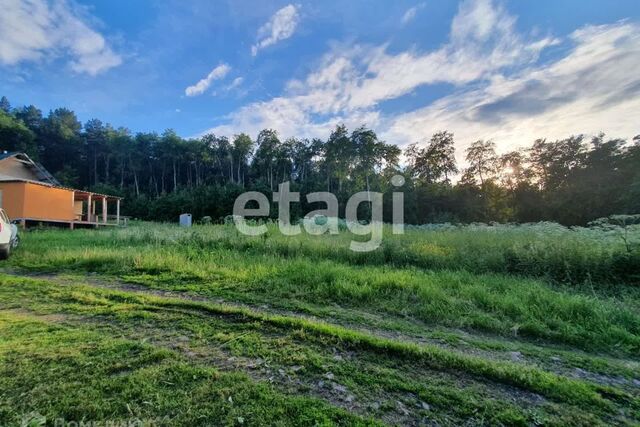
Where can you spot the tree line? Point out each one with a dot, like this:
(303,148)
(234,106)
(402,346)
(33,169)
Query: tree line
(571,181)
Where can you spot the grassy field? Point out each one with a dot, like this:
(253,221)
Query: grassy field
(478,325)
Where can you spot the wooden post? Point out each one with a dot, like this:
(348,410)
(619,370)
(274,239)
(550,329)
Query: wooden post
(104,210)
(118,211)
(23,224)
(73,208)
(89,208)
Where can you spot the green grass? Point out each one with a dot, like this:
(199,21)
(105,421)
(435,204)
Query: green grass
(158,322)
(492,303)
(93,376)
(575,256)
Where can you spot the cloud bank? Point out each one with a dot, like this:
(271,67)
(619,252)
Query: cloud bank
(500,89)
(36,30)
(590,89)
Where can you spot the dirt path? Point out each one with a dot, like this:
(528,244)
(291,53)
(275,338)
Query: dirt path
(394,407)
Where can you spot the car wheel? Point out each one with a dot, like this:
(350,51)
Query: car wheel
(5,251)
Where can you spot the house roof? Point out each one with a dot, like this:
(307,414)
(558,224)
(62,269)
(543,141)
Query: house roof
(6,155)
(39,171)
(44,177)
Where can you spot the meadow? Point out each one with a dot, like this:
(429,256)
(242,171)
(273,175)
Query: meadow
(533,324)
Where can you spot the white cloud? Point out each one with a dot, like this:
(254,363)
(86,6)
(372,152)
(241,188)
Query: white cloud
(33,30)
(500,90)
(234,86)
(411,13)
(235,83)
(281,26)
(217,73)
(477,20)
(350,81)
(289,120)
(590,89)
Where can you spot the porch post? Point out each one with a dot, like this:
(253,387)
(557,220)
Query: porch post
(89,208)
(73,209)
(104,210)
(118,211)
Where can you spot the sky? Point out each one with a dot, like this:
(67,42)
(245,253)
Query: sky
(510,71)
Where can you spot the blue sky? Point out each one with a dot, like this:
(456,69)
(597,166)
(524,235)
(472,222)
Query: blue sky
(511,71)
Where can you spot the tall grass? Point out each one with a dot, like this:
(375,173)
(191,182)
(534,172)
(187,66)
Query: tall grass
(545,250)
(430,275)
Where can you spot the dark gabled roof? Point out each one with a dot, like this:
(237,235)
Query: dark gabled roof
(39,170)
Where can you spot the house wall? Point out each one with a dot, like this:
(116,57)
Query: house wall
(13,198)
(15,168)
(47,203)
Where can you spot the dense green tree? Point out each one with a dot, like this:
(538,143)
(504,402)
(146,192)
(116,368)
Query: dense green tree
(338,153)
(62,148)
(482,160)
(95,136)
(242,150)
(5,105)
(267,155)
(30,116)
(15,136)
(436,161)
(572,180)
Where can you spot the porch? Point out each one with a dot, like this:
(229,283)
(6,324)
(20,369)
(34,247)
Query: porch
(93,209)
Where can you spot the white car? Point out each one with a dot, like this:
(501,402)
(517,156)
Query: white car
(8,235)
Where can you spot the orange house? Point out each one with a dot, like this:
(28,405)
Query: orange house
(30,194)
